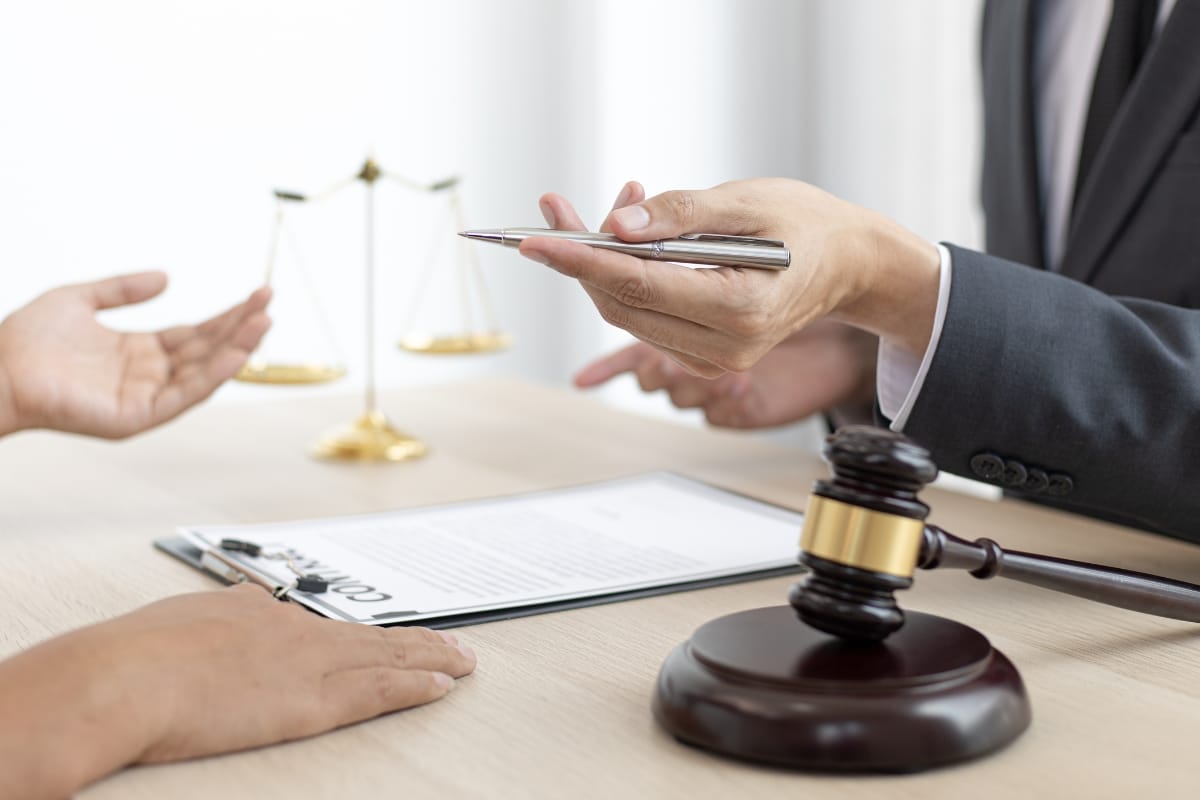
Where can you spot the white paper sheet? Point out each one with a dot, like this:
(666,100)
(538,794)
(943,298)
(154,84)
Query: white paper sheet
(633,533)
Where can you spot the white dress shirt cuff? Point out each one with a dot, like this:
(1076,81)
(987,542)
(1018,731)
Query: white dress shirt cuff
(899,376)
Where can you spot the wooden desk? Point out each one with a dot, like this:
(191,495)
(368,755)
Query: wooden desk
(559,706)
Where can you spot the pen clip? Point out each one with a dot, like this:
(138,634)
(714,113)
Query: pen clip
(223,568)
(719,237)
(228,570)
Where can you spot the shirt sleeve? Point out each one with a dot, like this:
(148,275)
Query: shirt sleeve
(899,375)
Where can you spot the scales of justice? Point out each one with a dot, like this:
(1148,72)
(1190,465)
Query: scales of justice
(370,436)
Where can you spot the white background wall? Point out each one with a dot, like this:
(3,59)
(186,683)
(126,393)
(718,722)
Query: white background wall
(149,133)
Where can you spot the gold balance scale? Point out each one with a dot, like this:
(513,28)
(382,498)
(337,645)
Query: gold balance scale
(371,437)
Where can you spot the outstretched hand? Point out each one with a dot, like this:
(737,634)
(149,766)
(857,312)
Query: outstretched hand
(61,369)
(847,263)
(818,368)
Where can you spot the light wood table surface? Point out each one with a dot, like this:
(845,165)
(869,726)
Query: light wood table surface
(560,704)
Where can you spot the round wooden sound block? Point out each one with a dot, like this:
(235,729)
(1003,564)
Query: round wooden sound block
(763,686)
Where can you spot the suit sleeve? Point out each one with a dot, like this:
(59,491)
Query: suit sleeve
(1056,390)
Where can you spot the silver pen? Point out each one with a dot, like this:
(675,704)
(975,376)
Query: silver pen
(709,249)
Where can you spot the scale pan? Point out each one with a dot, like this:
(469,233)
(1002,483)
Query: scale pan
(281,374)
(455,344)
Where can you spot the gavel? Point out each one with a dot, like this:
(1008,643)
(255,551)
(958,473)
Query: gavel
(851,685)
(865,534)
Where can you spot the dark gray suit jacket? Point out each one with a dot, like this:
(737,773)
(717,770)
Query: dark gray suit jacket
(1136,228)
(1083,397)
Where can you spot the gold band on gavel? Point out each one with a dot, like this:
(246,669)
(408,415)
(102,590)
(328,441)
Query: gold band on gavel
(861,537)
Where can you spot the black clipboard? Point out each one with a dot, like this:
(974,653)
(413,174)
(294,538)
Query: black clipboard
(189,554)
(192,555)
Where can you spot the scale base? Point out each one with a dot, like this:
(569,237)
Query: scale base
(369,438)
(761,685)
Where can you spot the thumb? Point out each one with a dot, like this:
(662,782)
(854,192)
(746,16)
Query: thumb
(122,290)
(674,213)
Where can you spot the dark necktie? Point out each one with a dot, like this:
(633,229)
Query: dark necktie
(1129,33)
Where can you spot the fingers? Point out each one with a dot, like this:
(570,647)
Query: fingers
(734,406)
(410,648)
(559,213)
(721,397)
(708,320)
(401,668)
(623,288)
(249,335)
(720,319)
(640,284)
(717,210)
(673,336)
(226,361)
(631,192)
(122,290)
(693,392)
(204,357)
(239,329)
(686,390)
(200,367)
(659,371)
(358,694)
(627,359)
(219,326)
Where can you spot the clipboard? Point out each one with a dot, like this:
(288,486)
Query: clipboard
(776,528)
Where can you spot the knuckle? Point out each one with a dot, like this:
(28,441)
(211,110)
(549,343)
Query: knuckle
(613,313)
(635,292)
(428,635)
(682,205)
(58,293)
(386,689)
(749,322)
(401,656)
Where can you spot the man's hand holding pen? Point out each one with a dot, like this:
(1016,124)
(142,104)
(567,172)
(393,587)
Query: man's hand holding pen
(848,263)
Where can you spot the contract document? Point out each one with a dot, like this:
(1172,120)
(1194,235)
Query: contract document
(487,559)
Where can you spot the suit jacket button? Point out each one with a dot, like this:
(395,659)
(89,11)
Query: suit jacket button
(1037,482)
(1060,485)
(987,466)
(1014,474)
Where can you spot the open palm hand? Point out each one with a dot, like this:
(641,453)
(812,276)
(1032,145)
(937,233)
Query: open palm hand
(61,369)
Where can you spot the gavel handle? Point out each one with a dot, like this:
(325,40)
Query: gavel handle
(1135,591)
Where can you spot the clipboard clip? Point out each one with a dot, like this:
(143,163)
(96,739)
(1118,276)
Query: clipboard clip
(224,567)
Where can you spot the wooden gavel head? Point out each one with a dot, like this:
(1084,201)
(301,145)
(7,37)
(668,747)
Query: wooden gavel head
(863,531)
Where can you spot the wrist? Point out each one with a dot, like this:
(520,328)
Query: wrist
(895,290)
(72,715)
(857,407)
